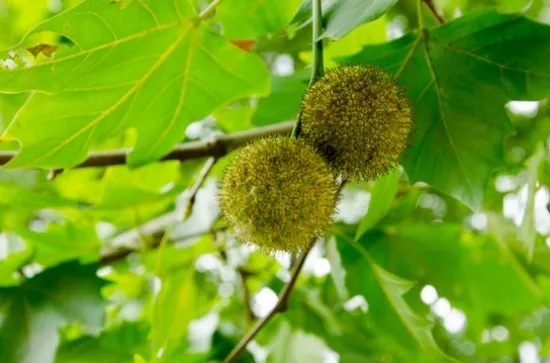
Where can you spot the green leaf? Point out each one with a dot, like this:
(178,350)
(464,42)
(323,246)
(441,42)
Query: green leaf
(62,242)
(527,232)
(243,19)
(16,254)
(384,291)
(234,119)
(351,333)
(33,312)
(135,64)
(295,346)
(382,195)
(337,271)
(459,76)
(222,345)
(14,197)
(9,104)
(125,187)
(283,102)
(174,308)
(115,346)
(476,273)
(342,16)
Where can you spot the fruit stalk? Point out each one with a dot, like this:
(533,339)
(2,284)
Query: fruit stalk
(284,295)
(317,67)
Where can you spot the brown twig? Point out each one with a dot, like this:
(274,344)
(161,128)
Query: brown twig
(154,228)
(281,306)
(246,296)
(433,9)
(112,255)
(198,183)
(216,147)
(243,273)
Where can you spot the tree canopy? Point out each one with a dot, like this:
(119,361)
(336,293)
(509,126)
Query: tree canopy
(118,119)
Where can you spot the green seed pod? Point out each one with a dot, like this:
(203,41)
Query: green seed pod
(358,118)
(278,194)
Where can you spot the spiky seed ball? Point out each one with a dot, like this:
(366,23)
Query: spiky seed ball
(358,118)
(278,194)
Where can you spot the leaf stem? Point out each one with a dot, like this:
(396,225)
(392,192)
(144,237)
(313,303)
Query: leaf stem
(419,15)
(282,305)
(433,9)
(317,67)
(417,41)
(209,9)
(408,56)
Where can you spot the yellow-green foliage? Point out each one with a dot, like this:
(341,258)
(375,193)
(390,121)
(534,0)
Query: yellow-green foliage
(278,194)
(358,118)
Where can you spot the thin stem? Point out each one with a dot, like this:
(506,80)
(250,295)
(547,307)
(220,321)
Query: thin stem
(317,67)
(198,183)
(209,9)
(436,13)
(155,228)
(216,147)
(282,305)
(246,297)
(419,15)
(112,255)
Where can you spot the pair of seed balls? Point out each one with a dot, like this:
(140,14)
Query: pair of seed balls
(280,193)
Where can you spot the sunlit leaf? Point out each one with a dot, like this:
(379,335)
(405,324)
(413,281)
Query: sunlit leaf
(295,346)
(16,254)
(337,271)
(175,307)
(62,242)
(242,19)
(136,64)
(527,232)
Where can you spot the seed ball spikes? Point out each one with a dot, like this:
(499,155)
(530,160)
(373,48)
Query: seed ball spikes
(359,119)
(278,194)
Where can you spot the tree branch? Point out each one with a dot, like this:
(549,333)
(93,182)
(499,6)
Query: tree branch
(216,147)
(281,306)
(155,228)
(246,296)
(198,183)
(430,5)
(113,255)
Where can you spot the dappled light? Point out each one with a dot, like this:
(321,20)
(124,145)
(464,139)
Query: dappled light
(398,208)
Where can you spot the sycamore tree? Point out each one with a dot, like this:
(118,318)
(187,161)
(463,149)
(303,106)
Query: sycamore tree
(118,119)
